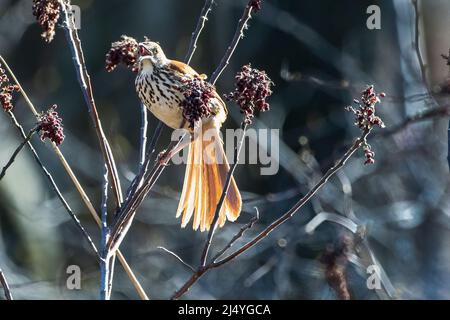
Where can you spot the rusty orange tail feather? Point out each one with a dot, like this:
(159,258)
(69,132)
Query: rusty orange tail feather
(205,177)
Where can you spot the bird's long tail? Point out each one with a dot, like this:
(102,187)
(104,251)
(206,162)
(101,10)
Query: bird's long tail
(206,172)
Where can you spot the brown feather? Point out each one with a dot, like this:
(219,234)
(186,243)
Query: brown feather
(204,182)
(182,68)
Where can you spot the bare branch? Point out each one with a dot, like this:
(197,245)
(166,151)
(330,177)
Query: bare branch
(207,7)
(237,151)
(301,202)
(5,286)
(125,216)
(86,87)
(150,150)
(178,258)
(104,260)
(238,35)
(16,152)
(53,185)
(238,235)
(144,127)
(289,214)
(84,197)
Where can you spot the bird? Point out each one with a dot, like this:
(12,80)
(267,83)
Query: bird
(158,85)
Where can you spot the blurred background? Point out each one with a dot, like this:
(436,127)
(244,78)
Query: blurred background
(320,54)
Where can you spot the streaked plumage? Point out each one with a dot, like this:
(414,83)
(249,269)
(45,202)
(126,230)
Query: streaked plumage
(158,86)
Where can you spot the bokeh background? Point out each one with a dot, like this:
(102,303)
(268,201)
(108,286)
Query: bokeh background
(320,55)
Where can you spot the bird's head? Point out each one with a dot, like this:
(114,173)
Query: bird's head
(151,52)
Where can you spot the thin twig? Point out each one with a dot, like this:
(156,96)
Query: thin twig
(5,286)
(207,7)
(85,83)
(143,144)
(112,263)
(209,239)
(238,35)
(150,150)
(53,185)
(84,197)
(286,216)
(104,261)
(86,88)
(178,258)
(16,152)
(128,211)
(237,236)
(290,213)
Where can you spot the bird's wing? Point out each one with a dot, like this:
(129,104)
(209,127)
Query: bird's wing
(182,68)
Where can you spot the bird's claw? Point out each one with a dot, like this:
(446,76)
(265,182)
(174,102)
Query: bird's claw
(163,157)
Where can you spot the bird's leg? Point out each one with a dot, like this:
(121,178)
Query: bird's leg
(165,155)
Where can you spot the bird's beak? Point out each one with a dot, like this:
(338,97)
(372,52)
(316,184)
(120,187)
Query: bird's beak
(143,51)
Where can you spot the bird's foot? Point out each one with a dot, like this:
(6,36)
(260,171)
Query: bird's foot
(163,158)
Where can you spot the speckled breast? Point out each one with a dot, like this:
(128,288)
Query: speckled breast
(160,94)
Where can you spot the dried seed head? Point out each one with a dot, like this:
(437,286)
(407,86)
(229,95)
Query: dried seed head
(50,126)
(123,51)
(369,154)
(6,90)
(252,88)
(47,14)
(365,117)
(197,95)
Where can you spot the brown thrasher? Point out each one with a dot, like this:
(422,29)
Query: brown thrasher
(158,85)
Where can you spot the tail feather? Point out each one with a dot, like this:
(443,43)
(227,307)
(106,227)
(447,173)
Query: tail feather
(205,178)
